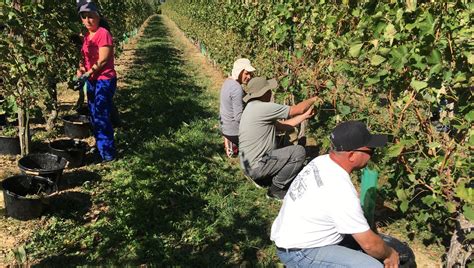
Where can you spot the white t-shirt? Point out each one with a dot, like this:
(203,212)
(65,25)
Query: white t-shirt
(320,207)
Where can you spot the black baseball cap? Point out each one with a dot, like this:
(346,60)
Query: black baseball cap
(86,6)
(351,135)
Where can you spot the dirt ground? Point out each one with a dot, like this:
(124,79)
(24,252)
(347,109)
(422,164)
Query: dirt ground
(14,232)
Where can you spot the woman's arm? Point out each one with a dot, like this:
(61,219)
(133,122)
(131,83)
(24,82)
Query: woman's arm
(104,55)
(81,70)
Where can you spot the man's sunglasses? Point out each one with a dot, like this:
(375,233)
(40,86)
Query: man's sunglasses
(369,152)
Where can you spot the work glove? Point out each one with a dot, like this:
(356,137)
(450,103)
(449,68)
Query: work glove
(79,83)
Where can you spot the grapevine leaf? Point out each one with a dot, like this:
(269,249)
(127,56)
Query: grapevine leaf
(418,85)
(395,150)
(468,212)
(376,60)
(435,57)
(469,116)
(404,206)
(451,207)
(354,51)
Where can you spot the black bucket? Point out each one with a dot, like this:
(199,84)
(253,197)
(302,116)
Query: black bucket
(76,126)
(83,110)
(9,145)
(3,119)
(73,151)
(23,195)
(407,258)
(45,165)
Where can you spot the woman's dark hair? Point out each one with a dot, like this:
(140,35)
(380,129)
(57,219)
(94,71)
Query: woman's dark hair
(76,39)
(104,23)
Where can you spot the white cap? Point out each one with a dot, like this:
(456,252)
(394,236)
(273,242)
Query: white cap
(239,65)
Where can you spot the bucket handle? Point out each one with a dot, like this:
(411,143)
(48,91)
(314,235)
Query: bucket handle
(34,173)
(77,123)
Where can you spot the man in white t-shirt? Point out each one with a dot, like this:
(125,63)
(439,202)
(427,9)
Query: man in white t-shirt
(322,206)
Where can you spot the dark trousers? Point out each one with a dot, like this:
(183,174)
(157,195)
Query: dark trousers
(99,100)
(281,165)
(233,139)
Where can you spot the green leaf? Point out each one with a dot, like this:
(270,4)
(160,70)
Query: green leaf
(401,194)
(20,254)
(469,116)
(470,57)
(418,85)
(40,59)
(470,236)
(428,200)
(468,212)
(404,206)
(436,69)
(451,207)
(399,57)
(395,150)
(435,57)
(460,77)
(471,139)
(354,51)
(465,194)
(434,145)
(285,82)
(376,60)
(344,109)
(299,53)
(390,33)
(372,80)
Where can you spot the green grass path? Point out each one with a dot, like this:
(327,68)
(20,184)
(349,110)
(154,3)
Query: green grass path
(172,197)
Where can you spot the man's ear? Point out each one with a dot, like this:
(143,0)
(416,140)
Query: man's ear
(351,156)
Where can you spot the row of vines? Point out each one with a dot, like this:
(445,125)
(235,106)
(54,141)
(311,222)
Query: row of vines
(40,47)
(404,67)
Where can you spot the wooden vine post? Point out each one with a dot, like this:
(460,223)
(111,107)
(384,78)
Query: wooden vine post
(23,117)
(24,126)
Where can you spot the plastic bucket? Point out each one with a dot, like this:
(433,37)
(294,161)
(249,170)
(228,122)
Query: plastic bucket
(10,145)
(76,126)
(407,258)
(83,110)
(3,119)
(22,195)
(45,165)
(73,151)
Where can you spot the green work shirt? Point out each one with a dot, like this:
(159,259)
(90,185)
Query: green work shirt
(257,130)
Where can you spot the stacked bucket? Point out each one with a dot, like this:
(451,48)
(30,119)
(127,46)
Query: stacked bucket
(26,195)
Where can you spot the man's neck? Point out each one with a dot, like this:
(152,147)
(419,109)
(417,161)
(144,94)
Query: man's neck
(340,161)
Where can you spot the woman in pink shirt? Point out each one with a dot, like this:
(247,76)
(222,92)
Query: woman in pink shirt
(97,70)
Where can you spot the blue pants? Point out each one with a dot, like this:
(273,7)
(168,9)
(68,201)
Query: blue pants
(328,257)
(99,99)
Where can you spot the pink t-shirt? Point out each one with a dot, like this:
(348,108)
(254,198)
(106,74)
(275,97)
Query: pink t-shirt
(90,52)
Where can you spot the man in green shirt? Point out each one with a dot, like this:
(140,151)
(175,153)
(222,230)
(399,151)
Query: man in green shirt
(259,156)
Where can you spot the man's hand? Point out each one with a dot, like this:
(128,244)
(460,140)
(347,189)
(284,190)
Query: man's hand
(309,113)
(393,260)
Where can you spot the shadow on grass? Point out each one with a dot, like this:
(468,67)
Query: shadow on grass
(76,178)
(172,198)
(69,205)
